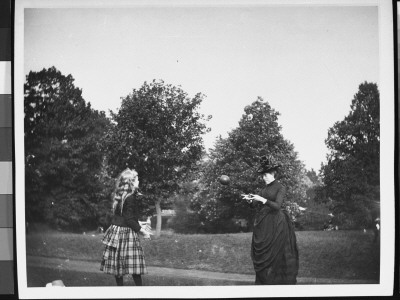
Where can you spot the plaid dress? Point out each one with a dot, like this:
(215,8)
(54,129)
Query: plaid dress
(123,253)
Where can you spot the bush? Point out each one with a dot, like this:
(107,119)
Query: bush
(314,217)
(165,222)
(188,223)
(185,220)
(359,213)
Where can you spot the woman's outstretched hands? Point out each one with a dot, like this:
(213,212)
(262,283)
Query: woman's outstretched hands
(253,197)
(246,197)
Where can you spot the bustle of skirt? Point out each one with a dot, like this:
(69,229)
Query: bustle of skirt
(274,249)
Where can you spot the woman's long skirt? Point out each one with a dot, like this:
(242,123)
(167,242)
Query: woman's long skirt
(274,249)
(123,253)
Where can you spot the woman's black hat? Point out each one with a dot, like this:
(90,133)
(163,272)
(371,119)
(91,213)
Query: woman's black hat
(266,165)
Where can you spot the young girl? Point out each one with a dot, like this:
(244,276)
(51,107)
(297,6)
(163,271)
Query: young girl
(123,253)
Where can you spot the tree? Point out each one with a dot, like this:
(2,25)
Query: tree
(62,157)
(238,157)
(351,174)
(158,131)
(313,177)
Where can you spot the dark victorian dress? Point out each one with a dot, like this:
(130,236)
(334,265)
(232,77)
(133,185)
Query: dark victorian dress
(274,248)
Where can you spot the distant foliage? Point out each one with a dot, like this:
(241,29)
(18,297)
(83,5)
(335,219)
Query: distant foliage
(351,175)
(238,156)
(62,156)
(185,220)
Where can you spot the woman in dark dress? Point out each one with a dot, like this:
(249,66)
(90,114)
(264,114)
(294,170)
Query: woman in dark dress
(273,249)
(123,253)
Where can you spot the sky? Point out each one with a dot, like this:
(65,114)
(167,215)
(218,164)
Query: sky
(305,61)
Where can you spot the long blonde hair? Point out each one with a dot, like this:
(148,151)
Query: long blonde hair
(124,187)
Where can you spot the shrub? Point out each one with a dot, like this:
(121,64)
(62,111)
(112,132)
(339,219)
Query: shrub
(314,217)
(185,220)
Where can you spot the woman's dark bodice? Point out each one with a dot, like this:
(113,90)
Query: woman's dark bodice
(274,193)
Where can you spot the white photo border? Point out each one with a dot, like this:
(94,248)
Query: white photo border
(386,86)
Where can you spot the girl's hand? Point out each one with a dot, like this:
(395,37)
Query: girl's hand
(145,225)
(146,232)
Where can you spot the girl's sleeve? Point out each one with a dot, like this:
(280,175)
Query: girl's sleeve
(279,199)
(131,216)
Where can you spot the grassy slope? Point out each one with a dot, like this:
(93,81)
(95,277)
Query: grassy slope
(323,254)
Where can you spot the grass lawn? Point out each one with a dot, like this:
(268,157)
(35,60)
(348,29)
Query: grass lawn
(323,254)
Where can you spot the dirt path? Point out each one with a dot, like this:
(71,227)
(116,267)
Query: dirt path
(215,278)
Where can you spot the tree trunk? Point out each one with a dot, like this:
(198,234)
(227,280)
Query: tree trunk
(159,220)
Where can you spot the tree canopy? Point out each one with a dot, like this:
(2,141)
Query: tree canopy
(62,157)
(157,131)
(238,157)
(351,175)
